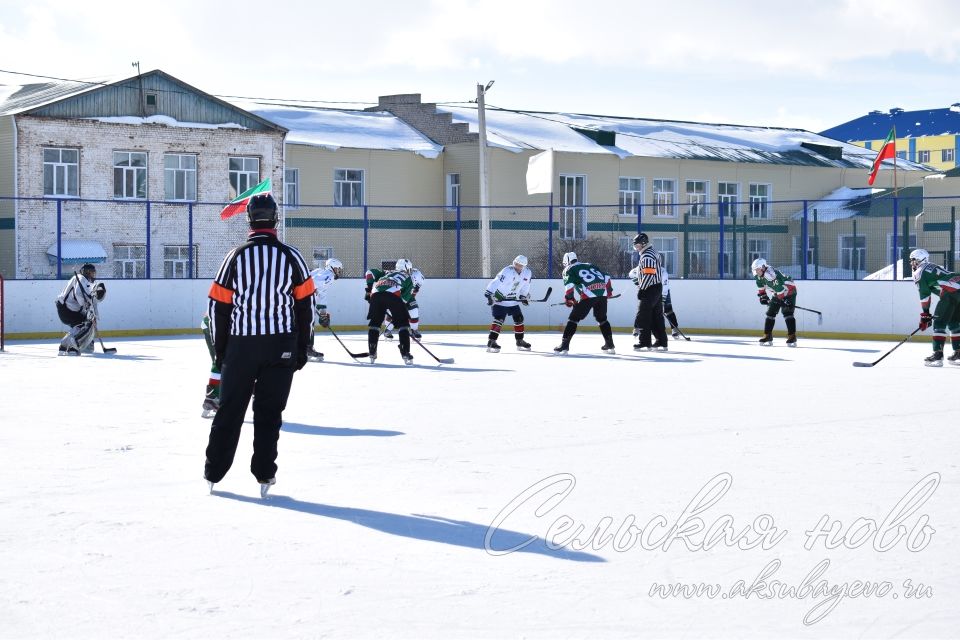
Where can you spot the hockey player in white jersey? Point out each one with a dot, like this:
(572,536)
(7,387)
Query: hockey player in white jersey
(323,277)
(505,293)
(77,308)
(413,308)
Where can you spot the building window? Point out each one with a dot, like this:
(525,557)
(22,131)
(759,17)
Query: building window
(176,261)
(759,201)
(698,257)
(853,253)
(947,155)
(130,174)
(697,198)
(453,190)
(901,155)
(322,254)
(729,249)
(898,253)
(758,248)
(291,188)
(631,195)
(348,187)
(923,156)
(244,174)
(129,261)
(811,250)
(180,177)
(728,193)
(664,195)
(61,172)
(667,247)
(573,210)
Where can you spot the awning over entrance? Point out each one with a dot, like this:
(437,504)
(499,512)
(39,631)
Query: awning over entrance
(77,252)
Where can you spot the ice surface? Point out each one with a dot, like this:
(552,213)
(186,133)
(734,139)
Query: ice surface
(390,478)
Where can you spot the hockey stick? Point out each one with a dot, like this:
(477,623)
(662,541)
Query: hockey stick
(109,350)
(355,356)
(819,315)
(93,303)
(560,304)
(875,362)
(440,360)
(545,296)
(676,328)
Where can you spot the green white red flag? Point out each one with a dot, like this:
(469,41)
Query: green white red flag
(239,203)
(887,150)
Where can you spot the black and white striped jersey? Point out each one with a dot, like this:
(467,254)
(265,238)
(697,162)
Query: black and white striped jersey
(648,269)
(261,280)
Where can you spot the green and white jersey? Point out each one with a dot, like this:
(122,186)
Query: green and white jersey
(372,275)
(775,283)
(934,279)
(587,280)
(398,283)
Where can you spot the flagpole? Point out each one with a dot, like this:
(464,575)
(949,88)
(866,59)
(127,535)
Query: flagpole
(894,161)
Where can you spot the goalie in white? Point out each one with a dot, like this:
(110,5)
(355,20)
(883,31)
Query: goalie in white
(77,308)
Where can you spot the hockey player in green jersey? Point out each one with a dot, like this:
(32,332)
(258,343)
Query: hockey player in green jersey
(779,295)
(593,288)
(211,399)
(933,279)
(392,292)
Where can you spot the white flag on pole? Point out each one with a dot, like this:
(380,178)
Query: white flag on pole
(540,173)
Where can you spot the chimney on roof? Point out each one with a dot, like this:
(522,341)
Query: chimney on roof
(424,117)
(896,110)
(876,112)
(955,106)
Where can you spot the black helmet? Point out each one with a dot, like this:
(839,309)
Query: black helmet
(89,272)
(641,239)
(262,211)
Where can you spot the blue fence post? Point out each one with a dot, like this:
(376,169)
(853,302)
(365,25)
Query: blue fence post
(459,228)
(896,216)
(721,261)
(550,239)
(190,239)
(366,235)
(59,239)
(804,239)
(148,239)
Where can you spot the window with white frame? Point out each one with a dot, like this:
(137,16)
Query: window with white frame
(129,261)
(348,187)
(573,210)
(176,261)
(697,198)
(853,252)
(291,188)
(61,172)
(664,196)
(923,156)
(698,256)
(130,174)
(759,200)
(321,255)
(947,155)
(728,194)
(631,195)
(180,176)
(452,191)
(811,251)
(896,253)
(758,248)
(729,267)
(667,247)
(244,174)
(901,155)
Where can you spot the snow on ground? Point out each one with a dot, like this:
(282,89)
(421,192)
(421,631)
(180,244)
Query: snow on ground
(400,488)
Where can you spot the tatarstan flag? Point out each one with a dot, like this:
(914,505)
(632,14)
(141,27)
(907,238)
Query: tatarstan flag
(239,203)
(888,150)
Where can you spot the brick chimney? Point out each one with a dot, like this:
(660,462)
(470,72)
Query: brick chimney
(425,118)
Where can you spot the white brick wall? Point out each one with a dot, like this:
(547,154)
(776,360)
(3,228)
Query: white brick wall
(111,222)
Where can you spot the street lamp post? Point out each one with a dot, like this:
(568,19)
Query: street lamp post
(484,183)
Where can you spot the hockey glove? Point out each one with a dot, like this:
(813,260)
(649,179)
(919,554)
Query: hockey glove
(100,291)
(323,318)
(925,320)
(91,313)
(489,296)
(366,295)
(764,299)
(525,300)
(570,302)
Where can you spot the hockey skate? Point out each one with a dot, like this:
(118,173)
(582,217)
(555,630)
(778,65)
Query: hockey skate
(766,340)
(210,407)
(609,349)
(523,345)
(660,346)
(493,347)
(955,358)
(210,487)
(792,340)
(934,360)
(373,358)
(314,356)
(675,333)
(407,357)
(561,350)
(416,335)
(72,351)
(265,486)
(388,334)
(641,347)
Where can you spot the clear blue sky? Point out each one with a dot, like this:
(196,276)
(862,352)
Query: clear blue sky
(811,65)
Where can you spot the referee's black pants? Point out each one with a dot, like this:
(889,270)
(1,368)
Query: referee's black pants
(261,366)
(649,316)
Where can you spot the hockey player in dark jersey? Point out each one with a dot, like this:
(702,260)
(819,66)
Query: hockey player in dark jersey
(593,287)
(392,292)
(933,279)
(779,295)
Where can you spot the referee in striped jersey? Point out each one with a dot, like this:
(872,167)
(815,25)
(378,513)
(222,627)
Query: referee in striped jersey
(260,304)
(650,297)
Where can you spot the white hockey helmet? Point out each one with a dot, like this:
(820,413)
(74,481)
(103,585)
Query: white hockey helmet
(569,258)
(417,276)
(759,263)
(919,257)
(404,265)
(521,260)
(336,266)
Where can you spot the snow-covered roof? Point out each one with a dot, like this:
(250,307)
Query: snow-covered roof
(833,206)
(18,98)
(165,120)
(334,129)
